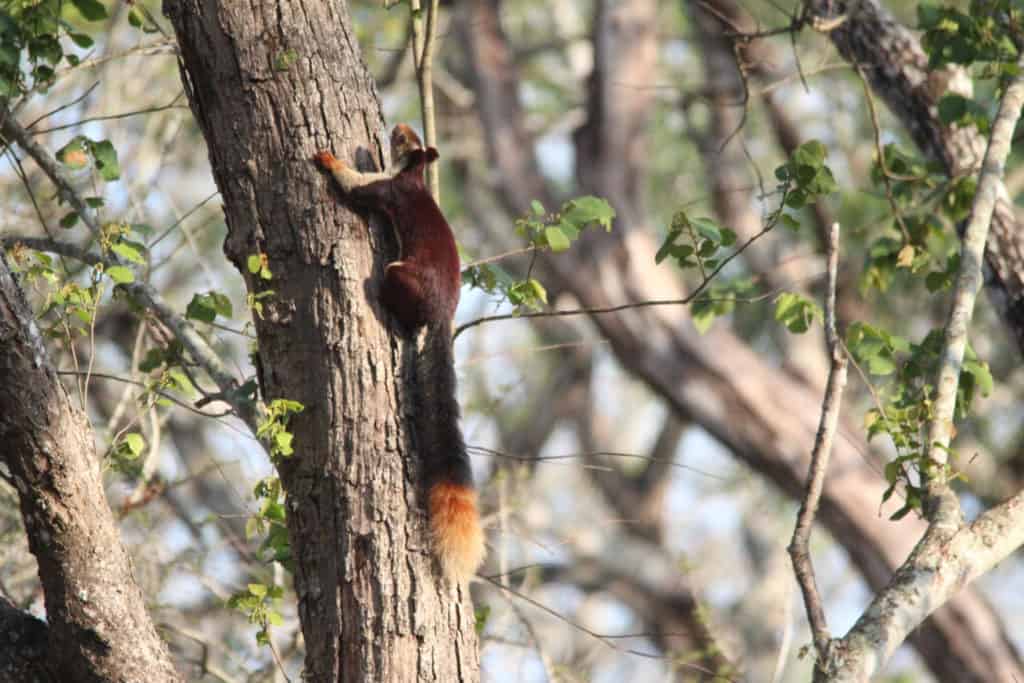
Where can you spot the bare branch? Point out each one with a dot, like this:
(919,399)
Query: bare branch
(798,547)
(424,36)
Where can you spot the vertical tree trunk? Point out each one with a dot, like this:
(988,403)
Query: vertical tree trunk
(271,83)
(97,628)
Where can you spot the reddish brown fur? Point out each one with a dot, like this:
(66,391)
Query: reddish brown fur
(421,288)
(455,529)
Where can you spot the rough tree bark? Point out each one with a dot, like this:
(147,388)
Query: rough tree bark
(270,83)
(97,628)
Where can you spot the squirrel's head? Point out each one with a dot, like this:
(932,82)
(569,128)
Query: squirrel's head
(403,141)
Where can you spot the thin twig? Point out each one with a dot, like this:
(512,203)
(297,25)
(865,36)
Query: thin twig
(606,639)
(163,394)
(111,117)
(501,256)
(798,547)
(887,176)
(423,40)
(67,105)
(620,307)
(592,454)
(184,217)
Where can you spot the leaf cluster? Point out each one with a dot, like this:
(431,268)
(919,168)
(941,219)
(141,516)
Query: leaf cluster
(259,603)
(905,400)
(30,41)
(543,231)
(987,31)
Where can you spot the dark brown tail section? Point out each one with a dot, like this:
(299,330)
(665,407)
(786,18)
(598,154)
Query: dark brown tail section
(454,519)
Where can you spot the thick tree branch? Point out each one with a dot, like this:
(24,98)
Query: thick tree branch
(99,629)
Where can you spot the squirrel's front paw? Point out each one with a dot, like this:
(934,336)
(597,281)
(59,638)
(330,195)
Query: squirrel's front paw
(328,161)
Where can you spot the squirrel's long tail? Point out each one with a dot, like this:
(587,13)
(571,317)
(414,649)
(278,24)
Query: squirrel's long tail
(454,520)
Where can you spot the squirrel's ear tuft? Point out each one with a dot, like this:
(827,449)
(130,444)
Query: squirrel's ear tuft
(431,154)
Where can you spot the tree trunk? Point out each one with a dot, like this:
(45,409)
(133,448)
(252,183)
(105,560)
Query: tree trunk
(270,84)
(97,626)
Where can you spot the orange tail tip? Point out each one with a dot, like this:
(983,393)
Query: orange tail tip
(455,529)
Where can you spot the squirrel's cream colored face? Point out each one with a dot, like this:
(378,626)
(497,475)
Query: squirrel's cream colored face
(403,141)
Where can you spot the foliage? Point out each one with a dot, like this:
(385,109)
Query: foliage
(904,402)
(697,243)
(259,604)
(985,32)
(30,41)
(273,428)
(542,231)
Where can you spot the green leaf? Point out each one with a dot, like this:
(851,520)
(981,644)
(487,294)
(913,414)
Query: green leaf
(91,10)
(94,202)
(201,308)
(537,208)
(881,365)
(254,263)
(221,304)
(583,211)
(257,589)
(481,615)
(666,248)
(81,40)
(538,290)
(69,220)
(556,239)
(10,55)
(105,156)
(135,443)
(120,274)
(206,307)
(901,513)
(153,359)
(45,47)
(788,221)
(130,251)
(796,312)
(284,60)
(707,228)
(135,17)
(952,108)
(283,441)
(73,154)
(811,152)
(982,376)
